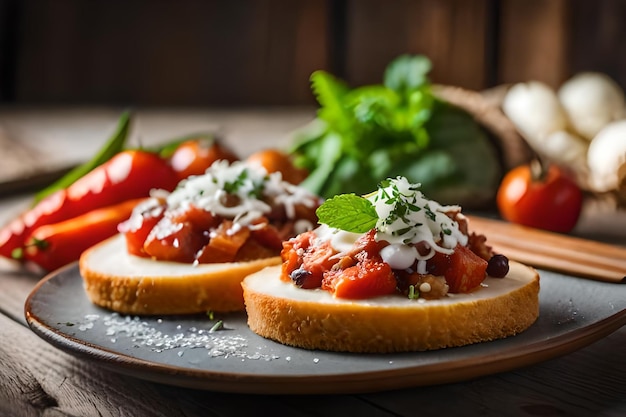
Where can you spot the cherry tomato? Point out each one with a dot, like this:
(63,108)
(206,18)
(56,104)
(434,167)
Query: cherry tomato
(274,160)
(541,197)
(194,156)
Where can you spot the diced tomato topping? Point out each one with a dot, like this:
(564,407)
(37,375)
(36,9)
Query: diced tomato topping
(268,235)
(368,278)
(253,249)
(318,260)
(361,273)
(464,270)
(368,245)
(170,241)
(136,238)
(201,220)
(305,263)
(138,227)
(224,244)
(291,258)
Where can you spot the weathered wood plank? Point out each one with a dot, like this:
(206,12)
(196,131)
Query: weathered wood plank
(584,383)
(534,41)
(190,53)
(37,379)
(597,38)
(451,33)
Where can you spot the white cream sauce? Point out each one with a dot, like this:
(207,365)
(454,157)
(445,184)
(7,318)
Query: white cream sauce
(405,217)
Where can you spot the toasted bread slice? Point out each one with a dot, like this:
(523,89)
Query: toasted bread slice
(129,284)
(314,319)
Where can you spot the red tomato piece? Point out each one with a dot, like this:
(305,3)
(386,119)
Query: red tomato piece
(252,249)
(269,236)
(368,278)
(465,270)
(290,257)
(540,197)
(141,222)
(304,263)
(316,262)
(201,220)
(174,241)
(224,244)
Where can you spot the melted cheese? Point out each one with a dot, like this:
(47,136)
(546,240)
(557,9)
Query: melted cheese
(405,217)
(252,186)
(237,191)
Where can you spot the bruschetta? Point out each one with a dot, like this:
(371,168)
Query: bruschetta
(187,251)
(390,272)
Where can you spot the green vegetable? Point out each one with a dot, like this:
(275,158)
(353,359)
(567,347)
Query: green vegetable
(114,145)
(219,325)
(348,212)
(414,293)
(399,128)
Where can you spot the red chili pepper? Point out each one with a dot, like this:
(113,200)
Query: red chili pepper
(128,175)
(52,246)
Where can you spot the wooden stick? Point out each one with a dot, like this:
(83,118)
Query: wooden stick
(558,252)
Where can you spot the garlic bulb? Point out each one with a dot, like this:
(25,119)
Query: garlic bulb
(566,148)
(606,157)
(535,110)
(591,100)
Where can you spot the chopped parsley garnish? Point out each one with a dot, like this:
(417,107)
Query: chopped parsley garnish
(219,325)
(356,214)
(397,209)
(414,293)
(235,186)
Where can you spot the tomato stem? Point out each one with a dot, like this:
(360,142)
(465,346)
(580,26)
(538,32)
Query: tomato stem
(538,169)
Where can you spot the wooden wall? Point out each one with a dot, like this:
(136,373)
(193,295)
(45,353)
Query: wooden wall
(261,52)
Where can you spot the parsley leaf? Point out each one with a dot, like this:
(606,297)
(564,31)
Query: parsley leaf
(407,73)
(348,212)
(233,187)
(399,127)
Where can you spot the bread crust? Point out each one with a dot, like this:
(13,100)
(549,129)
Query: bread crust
(128,284)
(313,319)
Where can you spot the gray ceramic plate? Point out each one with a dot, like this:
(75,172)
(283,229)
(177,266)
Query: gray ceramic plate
(184,351)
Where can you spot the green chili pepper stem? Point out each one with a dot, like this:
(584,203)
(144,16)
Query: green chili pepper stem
(113,146)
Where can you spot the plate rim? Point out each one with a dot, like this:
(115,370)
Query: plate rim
(336,383)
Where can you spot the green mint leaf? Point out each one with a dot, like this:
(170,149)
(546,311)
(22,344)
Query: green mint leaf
(348,212)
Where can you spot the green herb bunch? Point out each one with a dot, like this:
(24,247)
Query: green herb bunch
(364,135)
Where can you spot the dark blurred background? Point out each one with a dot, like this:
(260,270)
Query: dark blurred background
(257,53)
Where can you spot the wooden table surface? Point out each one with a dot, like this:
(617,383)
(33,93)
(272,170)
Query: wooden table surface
(37,379)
